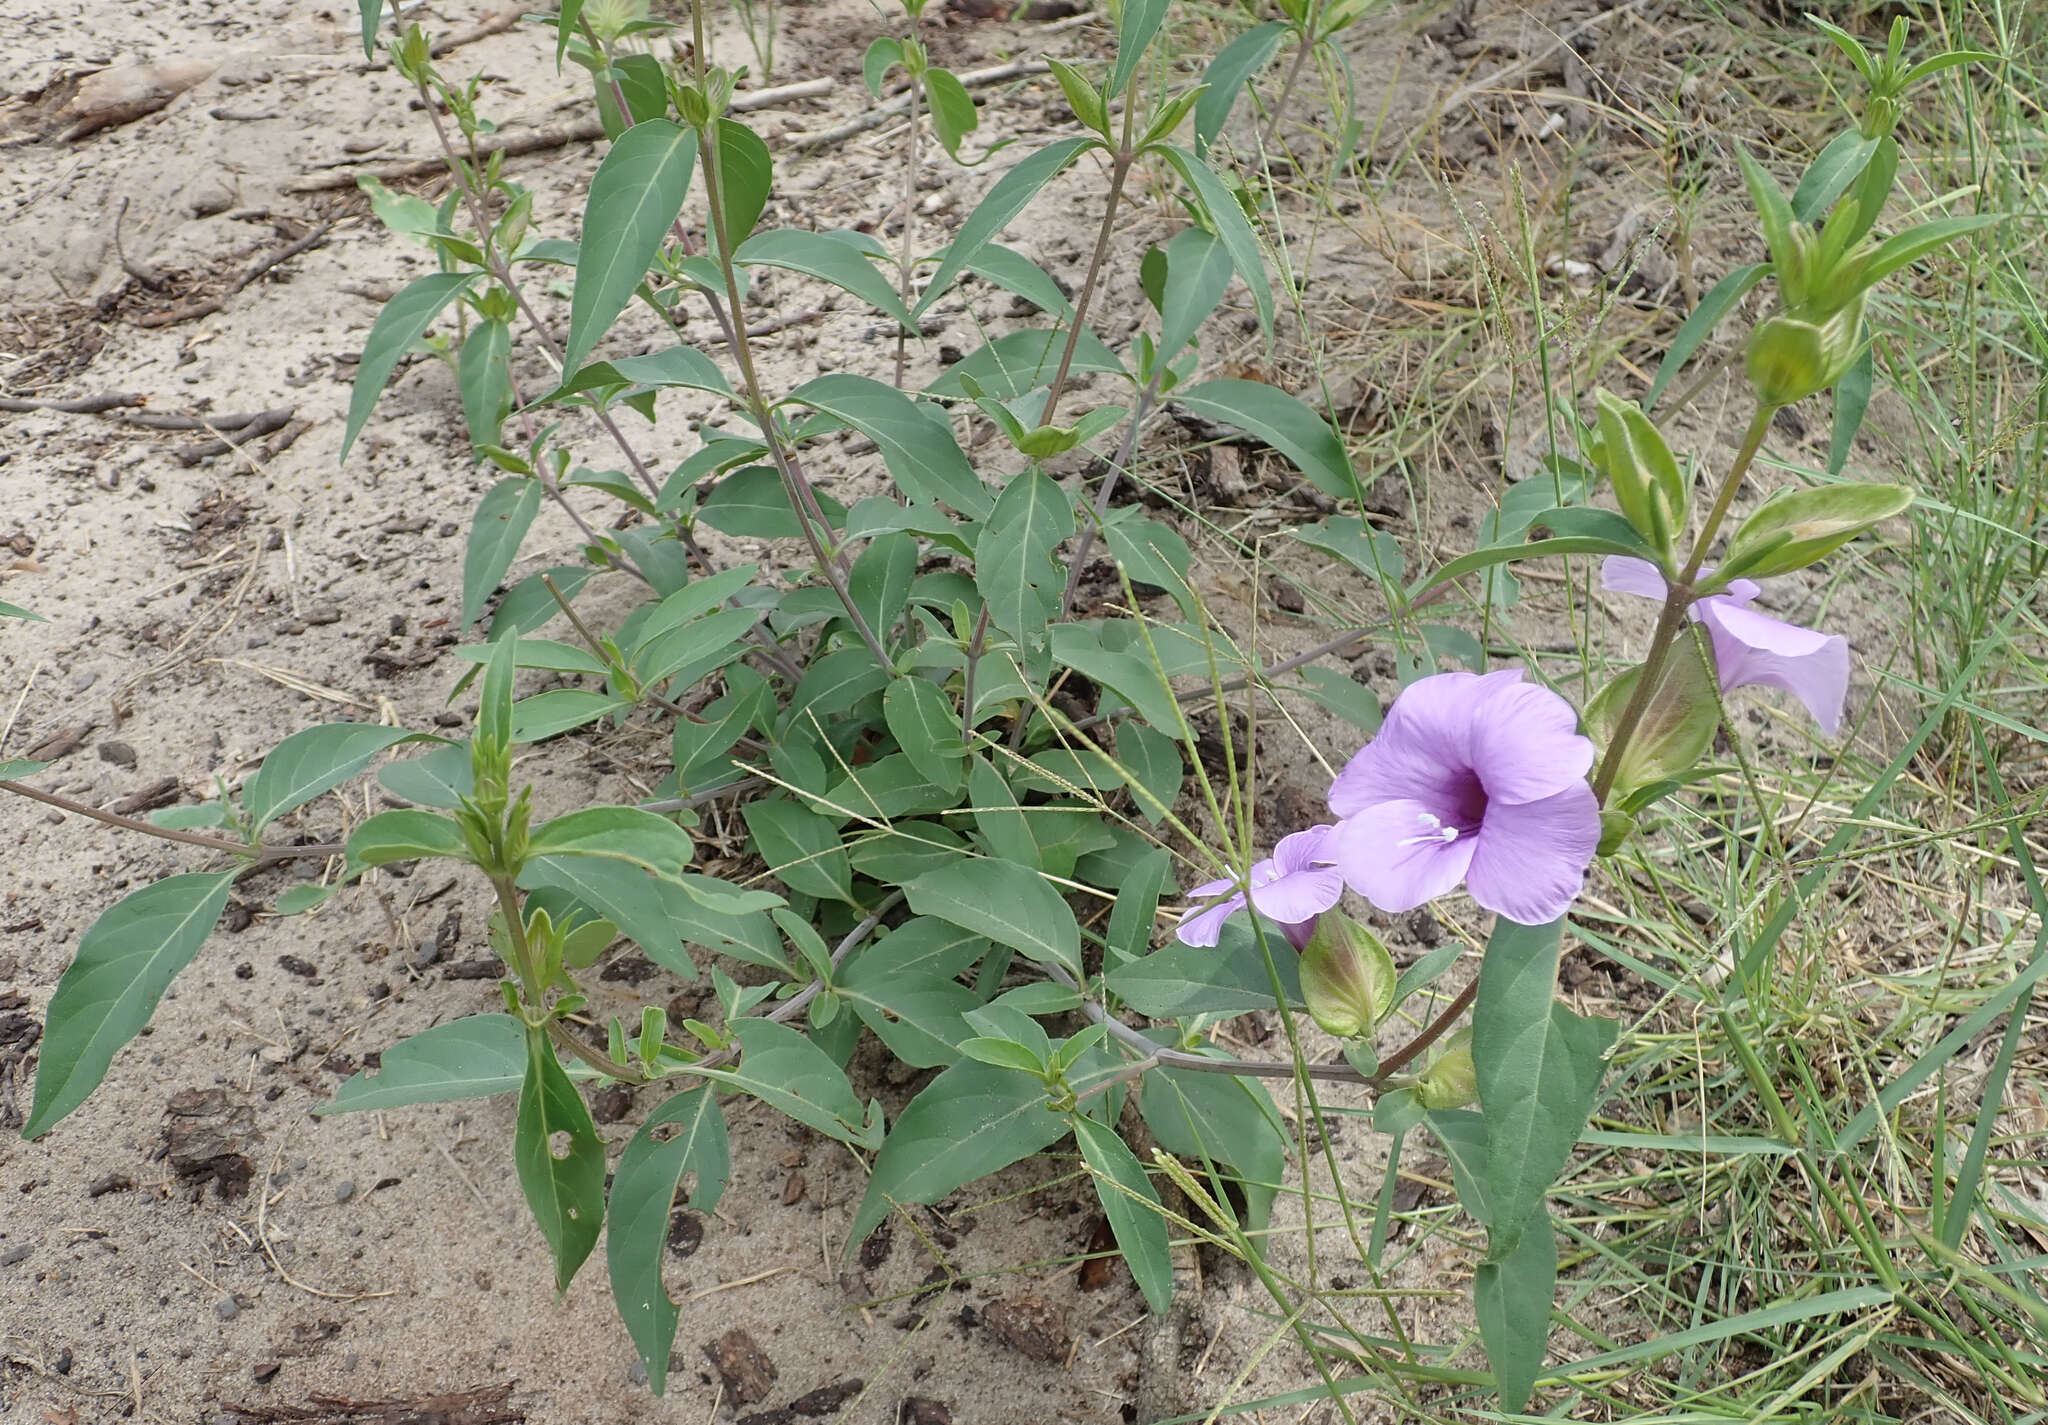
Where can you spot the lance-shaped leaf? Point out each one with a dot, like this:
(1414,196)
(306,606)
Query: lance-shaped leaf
(403,321)
(565,1188)
(312,761)
(473,1057)
(840,258)
(636,194)
(1698,326)
(124,964)
(1228,222)
(486,380)
(1512,1298)
(1002,203)
(1795,528)
(495,533)
(1131,1204)
(407,834)
(746,172)
(785,1070)
(1234,66)
(643,1192)
(630,834)
(1013,556)
(1540,1067)
(1008,903)
(1282,421)
(923,458)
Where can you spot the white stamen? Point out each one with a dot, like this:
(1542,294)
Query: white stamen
(1437,831)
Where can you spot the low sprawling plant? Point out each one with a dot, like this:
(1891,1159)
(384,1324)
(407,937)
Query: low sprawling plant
(966,779)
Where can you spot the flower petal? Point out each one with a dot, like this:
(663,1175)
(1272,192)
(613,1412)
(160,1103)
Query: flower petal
(1204,926)
(1299,895)
(1621,574)
(1301,850)
(1532,856)
(1212,888)
(1387,856)
(1754,648)
(1526,744)
(1299,934)
(1424,747)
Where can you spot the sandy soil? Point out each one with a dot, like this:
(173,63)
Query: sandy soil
(201,608)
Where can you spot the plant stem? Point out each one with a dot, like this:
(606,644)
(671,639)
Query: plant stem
(973,659)
(905,263)
(1678,598)
(1301,54)
(1125,450)
(1119,169)
(262,854)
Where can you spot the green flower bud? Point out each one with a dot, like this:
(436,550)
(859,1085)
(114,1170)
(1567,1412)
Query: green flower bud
(1796,528)
(1615,827)
(1676,727)
(1792,357)
(1653,494)
(1347,976)
(1451,1081)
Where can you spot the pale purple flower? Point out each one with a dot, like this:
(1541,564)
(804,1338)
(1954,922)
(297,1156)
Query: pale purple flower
(1752,648)
(1473,779)
(1292,887)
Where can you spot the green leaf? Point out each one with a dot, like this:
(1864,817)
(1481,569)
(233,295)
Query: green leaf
(1014,272)
(1234,66)
(693,650)
(403,321)
(187,818)
(970,1121)
(1081,96)
(884,790)
(544,653)
(954,116)
(8,610)
(1008,903)
(1198,270)
(1573,531)
(642,1196)
(15,768)
(1283,422)
(745,174)
(529,605)
(1774,214)
(124,964)
(1154,767)
(1540,1067)
(926,726)
(473,1057)
(837,258)
(1014,568)
(1137,906)
(1217,1118)
(1344,695)
(922,456)
(905,990)
(495,533)
(1013,365)
(405,835)
(1228,221)
(1916,243)
(1372,552)
(1129,673)
(1511,1299)
(1137,24)
(561,710)
(673,368)
(1852,399)
(312,761)
(801,847)
(1794,528)
(1832,171)
(565,26)
(565,1191)
(1151,553)
(1131,1204)
(441,779)
(879,582)
(636,194)
(904,851)
(882,56)
(636,902)
(1698,326)
(754,503)
(618,833)
(370,11)
(1001,1054)
(785,1070)
(833,684)
(993,213)
(485,377)
(1178,981)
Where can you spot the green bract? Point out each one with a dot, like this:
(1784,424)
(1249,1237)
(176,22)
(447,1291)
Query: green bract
(1795,528)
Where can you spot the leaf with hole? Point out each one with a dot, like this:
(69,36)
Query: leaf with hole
(559,1158)
(643,1192)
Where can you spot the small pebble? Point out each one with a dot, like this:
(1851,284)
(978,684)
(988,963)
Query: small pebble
(19,1252)
(264,1371)
(344,1190)
(227,1308)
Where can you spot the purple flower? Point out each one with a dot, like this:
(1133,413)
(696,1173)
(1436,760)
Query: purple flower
(1751,648)
(1473,779)
(1293,887)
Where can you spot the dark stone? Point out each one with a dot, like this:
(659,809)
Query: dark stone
(923,1410)
(1030,1326)
(827,1399)
(118,753)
